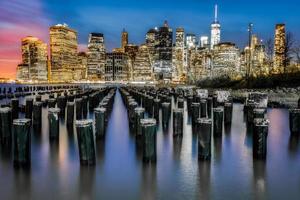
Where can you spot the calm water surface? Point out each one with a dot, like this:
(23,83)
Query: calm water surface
(120,174)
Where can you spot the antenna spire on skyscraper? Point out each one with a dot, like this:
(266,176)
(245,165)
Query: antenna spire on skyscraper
(216,13)
(166,23)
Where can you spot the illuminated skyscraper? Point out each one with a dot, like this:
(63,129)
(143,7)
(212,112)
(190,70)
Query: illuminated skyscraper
(199,64)
(124,43)
(279,49)
(63,52)
(163,68)
(116,67)
(152,43)
(225,60)
(215,30)
(204,42)
(179,56)
(131,51)
(191,41)
(80,72)
(124,39)
(96,56)
(142,70)
(34,58)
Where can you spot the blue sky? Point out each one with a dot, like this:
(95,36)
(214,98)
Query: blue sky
(137,16)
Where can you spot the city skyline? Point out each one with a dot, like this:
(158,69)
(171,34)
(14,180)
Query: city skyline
(20,26)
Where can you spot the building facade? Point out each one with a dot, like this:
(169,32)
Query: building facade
(279,49)
(152,44)
(163,66)
(80,72)
(124,38)
(204,43)
(225,60)
(63,52)
(179,60)
(131,51)
(199,64)
(34,60)
(116,67)
(191,41)
(96,57)
(142,69)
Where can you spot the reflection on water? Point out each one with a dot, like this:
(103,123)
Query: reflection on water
(120,174)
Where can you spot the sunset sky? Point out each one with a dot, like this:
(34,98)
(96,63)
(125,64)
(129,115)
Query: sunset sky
(20,18)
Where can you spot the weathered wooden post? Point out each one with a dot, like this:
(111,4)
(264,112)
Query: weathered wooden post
(218,121)
(294,115)
(209,106)
(189,101)
(100,125)
(156,109)
(38,98)
(70,113)
(260,134)
(84,106)
(28,108)
(37,114)
(180,103)
(61,104)
(78,105)
(195,109)
(204,138)
(139,114)
(51,103)
(228,112)
(5,119)
(131,114)
(165,114)
(15,108)
(149,139)
(53,118)
(178,122)
(259,113)
(21,142)
(203,108)
(85,138)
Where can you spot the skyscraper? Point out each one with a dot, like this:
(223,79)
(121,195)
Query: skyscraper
(142,70)
(191,41)
(179,56)
(131,51)
(116,67)
(96,57)
(80,71)
(163,68)
(199,64)
(225,60)
(215,30)
(63,52)
(34,58)
(279,49)
(204,42)
(152,43)
(124,39)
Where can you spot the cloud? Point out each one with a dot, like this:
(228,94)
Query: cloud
(19,19)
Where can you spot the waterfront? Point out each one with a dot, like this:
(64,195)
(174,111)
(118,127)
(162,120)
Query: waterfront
(119,172)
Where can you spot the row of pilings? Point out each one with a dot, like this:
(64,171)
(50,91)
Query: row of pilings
(210,116)
(209,112)
(70,104)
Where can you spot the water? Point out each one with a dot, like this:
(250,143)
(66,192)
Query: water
(120,174)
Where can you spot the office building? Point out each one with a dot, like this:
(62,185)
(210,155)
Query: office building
(96,57)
